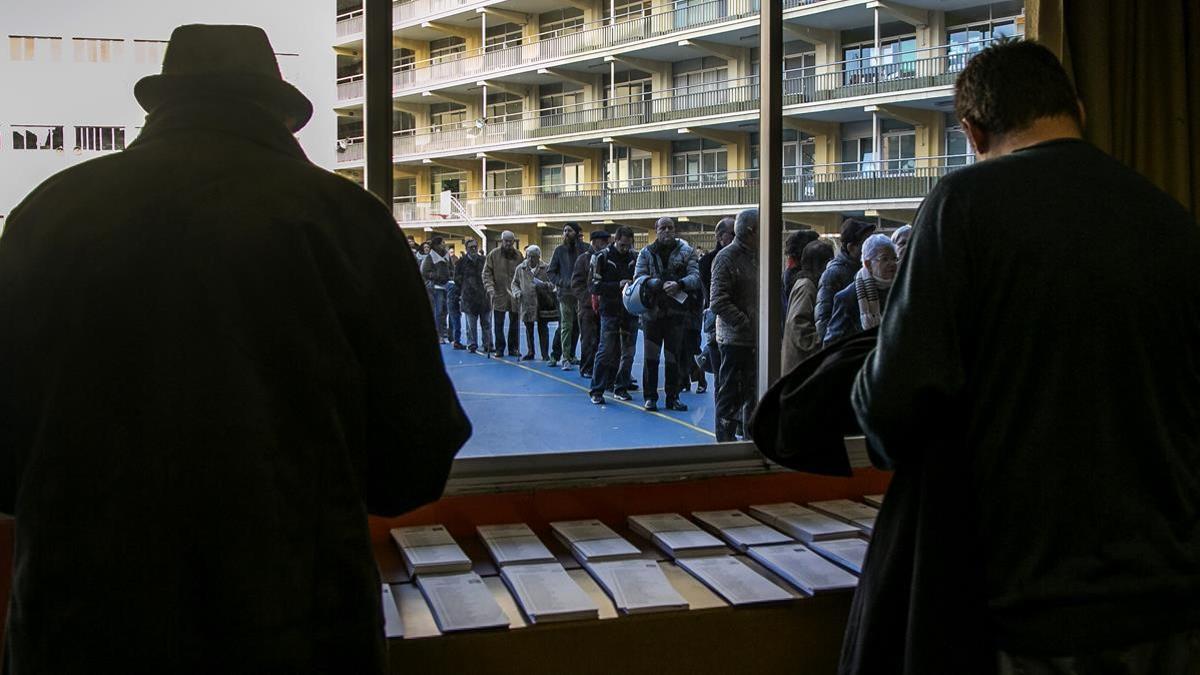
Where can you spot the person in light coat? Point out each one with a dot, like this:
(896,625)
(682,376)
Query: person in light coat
(531,282)
(498,269)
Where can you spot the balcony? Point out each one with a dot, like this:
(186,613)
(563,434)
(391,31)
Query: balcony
(350,150)
(588,38)
(350,23)
(908,179)
(350,88)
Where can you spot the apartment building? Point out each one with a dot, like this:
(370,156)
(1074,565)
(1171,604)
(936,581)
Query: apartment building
(531,113)
(69,74)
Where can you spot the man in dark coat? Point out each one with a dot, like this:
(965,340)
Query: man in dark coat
(217,360)
(468,277)
(735,304)
(562,265)
(1045,408)
(712,355)
(435,267)
(612,270)
(589,320)
(672,269)
(840,271)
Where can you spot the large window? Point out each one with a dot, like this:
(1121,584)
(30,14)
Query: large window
(627,9)
(447,116)
(504,178)
(99,138)
(149,52)
(560,174)
(504,107)
(502,36)
(698,162)
(557,102)
(896,58)
(34,48)
(700,82)
(446,49)
(37,137)
(629,95)
(630,169)
(560,22)
(98,50)
(970,30)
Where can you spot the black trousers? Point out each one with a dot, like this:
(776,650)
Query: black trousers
(589,339)
(514,336)
(662,335)
(543,330)
(689,372)
(614,356)
(736,389)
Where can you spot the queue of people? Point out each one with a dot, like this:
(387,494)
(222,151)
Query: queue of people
(696,311)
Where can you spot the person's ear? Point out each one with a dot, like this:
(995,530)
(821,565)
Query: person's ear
(979,139)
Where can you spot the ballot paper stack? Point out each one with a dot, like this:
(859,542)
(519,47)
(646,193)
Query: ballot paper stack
(547,593)
(859,515)
(676,536)
(591,541)
(461,601)
(739,529)
(429,549)
(733,580)
(848,553)
(804,524)
(636,586)
(803,569)
(514,544)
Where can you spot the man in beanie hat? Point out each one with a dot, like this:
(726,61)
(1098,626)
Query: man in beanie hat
(562,266)
(216,346)
(841,270)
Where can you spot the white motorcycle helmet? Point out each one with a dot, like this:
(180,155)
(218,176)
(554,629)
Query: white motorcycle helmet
(633,298)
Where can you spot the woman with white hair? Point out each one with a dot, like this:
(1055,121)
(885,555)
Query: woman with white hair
(859,306)
(532,289)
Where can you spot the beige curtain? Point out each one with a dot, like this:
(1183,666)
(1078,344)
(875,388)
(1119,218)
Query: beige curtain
(1136,64)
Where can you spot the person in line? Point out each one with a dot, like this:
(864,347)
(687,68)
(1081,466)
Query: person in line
(562,266)
(468,277)
(498,268)
(859,306)
(710,355)
(735,304)
(589,319)
(900,239)
(672,273)
(612,270)
(531,282)
(793,249)
(412,245)
(220,375)
(841,270)
(689,370)
(435,267)
(800,338)
(1048,404)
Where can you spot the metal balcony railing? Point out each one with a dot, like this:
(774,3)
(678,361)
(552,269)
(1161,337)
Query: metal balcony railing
(589,37)
(350,23)
(350,150)
(350,87)
(897,179)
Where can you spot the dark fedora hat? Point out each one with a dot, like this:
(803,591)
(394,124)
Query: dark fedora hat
(223,61)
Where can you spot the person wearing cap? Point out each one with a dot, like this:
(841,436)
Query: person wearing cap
(710,357)
(672,274)
(859,305)
(589,320)
(221,373)
(468,277)
(499,266)
(735,304)
(612,270)
(841,270)
(562,266)
(534,296)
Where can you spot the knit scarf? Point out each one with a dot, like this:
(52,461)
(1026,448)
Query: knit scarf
(869,310)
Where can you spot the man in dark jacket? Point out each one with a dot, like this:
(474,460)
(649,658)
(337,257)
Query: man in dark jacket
(735,304)
(712,355)
(217,359)
(468,277)
(589,320)
(841,270)
(612,270)
(1061,389)
(672,272)
(562,265)
(435,267)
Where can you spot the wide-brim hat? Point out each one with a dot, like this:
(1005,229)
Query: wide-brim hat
(223,62)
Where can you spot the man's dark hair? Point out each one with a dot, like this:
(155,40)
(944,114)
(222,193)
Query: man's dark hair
(796,241)
(724,225)
(624,231)
(1007,86)
(436,241)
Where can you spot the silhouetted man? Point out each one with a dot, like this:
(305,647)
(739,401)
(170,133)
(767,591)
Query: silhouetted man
(735,304)
(217,360)
(1036,387)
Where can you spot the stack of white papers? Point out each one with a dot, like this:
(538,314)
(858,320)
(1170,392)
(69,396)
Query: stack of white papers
(636,586)
(675,535)
(803,569)
(547,593)
(860,515)
(393,626)
(739,529)
(461,602)
(874,500)
(591,540)
(848,553)
(804,524)
(514,544)
(429,549)
(734,580)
